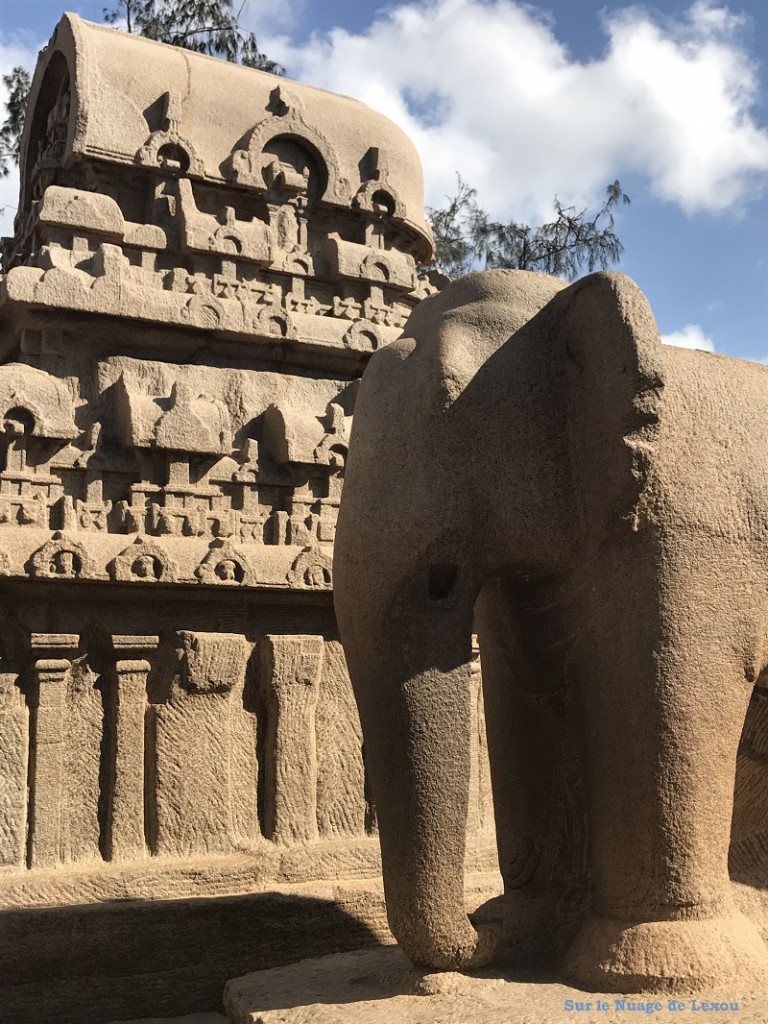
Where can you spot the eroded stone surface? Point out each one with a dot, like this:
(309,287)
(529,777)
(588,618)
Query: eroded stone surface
(204,259)
(530,460)
(187,304)
(380,986)
(194,1018)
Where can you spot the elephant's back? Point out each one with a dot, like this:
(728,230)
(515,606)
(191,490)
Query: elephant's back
(517,288)
(477,374)
(518,294)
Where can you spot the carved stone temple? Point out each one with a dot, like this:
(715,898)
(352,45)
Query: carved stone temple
(204,258)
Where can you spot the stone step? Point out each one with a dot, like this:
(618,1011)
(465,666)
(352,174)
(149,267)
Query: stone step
(380,986)
(192,1018)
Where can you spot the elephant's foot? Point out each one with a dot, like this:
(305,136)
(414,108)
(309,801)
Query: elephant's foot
(533,931)
(470,947)
(666,956)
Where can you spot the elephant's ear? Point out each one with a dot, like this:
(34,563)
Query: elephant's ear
(615,375)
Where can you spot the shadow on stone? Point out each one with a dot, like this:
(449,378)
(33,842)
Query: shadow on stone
(379,986)
(90,964)
(364,975)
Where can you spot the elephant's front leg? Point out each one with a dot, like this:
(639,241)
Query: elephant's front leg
(664,673)
(410,662)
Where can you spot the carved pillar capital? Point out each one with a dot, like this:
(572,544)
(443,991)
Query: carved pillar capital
(132,671)
(51,670)
(125,646)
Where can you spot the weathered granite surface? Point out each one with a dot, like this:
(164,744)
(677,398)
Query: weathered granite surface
(193,1018)
(380,986)
(530,461)
(204,258)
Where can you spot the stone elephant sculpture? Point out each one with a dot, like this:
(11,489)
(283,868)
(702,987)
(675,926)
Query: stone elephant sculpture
(528,457)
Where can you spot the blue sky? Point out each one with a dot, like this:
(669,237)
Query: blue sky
(526,101)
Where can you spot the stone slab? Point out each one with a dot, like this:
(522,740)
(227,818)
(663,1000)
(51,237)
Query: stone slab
(126,959)
(194,1018)
(131,960)
(379,986)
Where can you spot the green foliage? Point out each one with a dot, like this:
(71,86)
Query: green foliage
(205,26)
(17,84)
(465,238)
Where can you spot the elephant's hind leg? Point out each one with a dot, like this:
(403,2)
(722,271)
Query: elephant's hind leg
(748,858)
(664,679)
(535,770)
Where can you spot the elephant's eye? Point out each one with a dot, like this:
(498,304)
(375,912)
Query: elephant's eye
(442,579)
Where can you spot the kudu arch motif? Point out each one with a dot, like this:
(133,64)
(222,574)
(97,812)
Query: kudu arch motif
(596,502)
(204,258)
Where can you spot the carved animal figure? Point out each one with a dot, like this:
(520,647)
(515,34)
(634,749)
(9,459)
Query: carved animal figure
(530,457)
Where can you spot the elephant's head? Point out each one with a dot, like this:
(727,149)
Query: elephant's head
(468,433)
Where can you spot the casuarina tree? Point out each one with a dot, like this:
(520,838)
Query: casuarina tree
(17,84)
(467,239)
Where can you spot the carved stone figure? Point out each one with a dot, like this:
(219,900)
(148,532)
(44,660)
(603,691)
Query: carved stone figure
(204,258)
(530,455)
(145,567)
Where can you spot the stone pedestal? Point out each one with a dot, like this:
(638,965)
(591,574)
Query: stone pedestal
(380,986)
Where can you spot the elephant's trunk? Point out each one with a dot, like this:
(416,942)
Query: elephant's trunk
(414,698)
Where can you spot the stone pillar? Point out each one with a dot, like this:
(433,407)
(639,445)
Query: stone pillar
(48,745)
(195,774)
(14,749)
(341,792)
(125,827)
(290,685)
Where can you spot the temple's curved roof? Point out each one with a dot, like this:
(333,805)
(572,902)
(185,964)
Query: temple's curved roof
(133,100)
(44,396)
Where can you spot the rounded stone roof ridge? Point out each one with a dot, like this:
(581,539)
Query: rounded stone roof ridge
(74,18)
(130,97)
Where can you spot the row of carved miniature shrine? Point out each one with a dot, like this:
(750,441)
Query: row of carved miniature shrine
(171,466)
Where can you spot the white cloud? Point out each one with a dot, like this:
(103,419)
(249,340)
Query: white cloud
(9,198)
(487,89)
(690,336)
(260,16)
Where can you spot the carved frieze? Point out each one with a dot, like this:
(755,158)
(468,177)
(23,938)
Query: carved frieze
(144,561)
(183,422)
(64,558)
(225,564)
(167,486)
(312,570)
